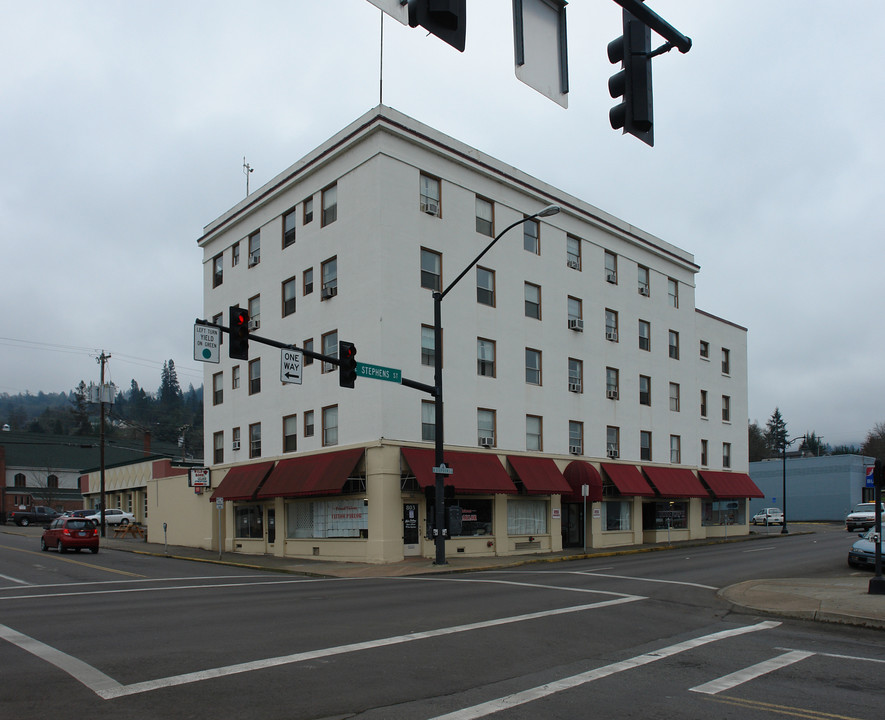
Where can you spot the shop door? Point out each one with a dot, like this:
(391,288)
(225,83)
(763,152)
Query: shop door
(572,525)
(271,527)
(411,538)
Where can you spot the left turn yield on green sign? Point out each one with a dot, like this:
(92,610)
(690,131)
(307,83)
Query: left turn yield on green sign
(207,341)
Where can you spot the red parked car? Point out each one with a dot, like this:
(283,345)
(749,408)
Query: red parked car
(70,533)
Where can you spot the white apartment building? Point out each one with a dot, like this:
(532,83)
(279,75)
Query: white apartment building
(573,355)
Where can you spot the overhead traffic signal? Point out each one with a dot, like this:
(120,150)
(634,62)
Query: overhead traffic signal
(239,333)
(347,366)
(447,19)
(633,82)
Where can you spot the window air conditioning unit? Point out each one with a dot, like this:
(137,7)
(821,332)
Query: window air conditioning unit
(430,207)
(254,324)
(235,445)
(574,387)
(574,449)
(611,394)
(612,451)
(612,278)
(328,292)
(613,336)
(573,264)
(254,259)
(643,290)
(486,441)
(576,324)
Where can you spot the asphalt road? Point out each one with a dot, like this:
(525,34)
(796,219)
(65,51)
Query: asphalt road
(642,636)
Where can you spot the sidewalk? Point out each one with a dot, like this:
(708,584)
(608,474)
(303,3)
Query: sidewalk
(842,600)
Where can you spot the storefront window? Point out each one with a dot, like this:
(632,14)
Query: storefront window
(617,514)
(248,520)
(343,518)
(663,515)
(724,512)
(476,517)
(526,517)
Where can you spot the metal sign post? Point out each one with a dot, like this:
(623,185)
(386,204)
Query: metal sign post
(585,491)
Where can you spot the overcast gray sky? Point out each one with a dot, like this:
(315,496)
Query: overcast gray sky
(123,126)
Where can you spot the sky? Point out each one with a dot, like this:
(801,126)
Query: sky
(124,125)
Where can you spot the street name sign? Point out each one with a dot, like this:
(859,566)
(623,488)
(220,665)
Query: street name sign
(207,341)
(378,372)
(291,362)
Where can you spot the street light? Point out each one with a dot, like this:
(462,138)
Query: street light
(439,497)
(785,444)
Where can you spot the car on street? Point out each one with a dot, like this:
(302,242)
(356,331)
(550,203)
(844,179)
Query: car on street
(863,553)
(863,517)
(769,516)
(70,533)
(78,513)
(112,516)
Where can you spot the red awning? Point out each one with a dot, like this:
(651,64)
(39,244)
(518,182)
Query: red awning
(628,480)
(731,484)
(539,476)
(242,481)
(676,482)
(577,473)
(322,474)
(476,473)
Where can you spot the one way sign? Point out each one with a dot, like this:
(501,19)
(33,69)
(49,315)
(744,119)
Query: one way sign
(290,366)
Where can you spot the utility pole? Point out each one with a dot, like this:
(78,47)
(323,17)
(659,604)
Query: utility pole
(102,360)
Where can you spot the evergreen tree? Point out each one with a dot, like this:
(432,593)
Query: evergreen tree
(874,444)
(776,434)
(80,411)
(756,447)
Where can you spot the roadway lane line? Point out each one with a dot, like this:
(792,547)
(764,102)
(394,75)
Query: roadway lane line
(593,573)
(732,680)
(15,580)
(108,689)
(551,688)
(73,562)
(762,549)
(788,710)
(118,582)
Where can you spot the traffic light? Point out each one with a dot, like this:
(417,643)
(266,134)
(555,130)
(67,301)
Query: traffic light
(239,333)
(633,81)
(347,366)
(447,19)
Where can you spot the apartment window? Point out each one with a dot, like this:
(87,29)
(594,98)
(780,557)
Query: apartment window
(431,270)
(289,222)
(235,377)
(533,301)
(705,350)
(644,390)
(330,348)
(217,270)
(308,423)
(428,420)
(531,236)
(217,388)
(235,254)
(218,448)
(255,440)
(675,449)
(485,216)
(575,375)
(644,335)
(643,285)
(20,480)
(726,362)
(703,403)
(533,439)
(485,426)
(575,437)
(485,286)
(255,376)
(611,383)
(573,252)
(330,425)
(704,457)
(290,433)
(307,281)
(611,325)
(428,343)
(575,310)
(308,211)
(308,345)
(645,445)
(290,289)
(613,441)
(330,205)
(235,439)
(532,366)
(726,408)
(329,273)
(255,312)
(674,345)
(430,196)
(672,292)
(611,267)
(674,397)
(485,357)
(726,455)
(255,248)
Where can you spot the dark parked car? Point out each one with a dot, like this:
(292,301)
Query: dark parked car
(70,533)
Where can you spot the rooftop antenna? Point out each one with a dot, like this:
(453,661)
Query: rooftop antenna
(381,67)
(247,168)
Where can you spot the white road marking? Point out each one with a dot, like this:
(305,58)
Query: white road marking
(594,573)
(843,657)
(540,586)
(762,549)
(727,682)
(15,580)
(536,693)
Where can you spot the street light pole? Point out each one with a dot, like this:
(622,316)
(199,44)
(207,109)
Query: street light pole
(439,497)
(785,444)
